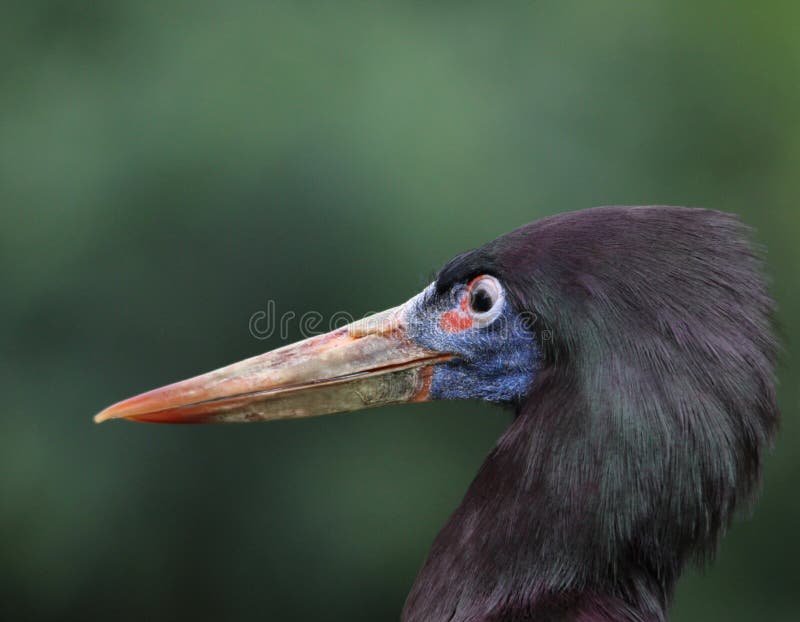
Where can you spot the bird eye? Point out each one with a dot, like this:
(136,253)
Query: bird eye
(485,296)
(481,301)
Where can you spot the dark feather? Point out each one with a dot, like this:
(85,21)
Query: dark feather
(644,430)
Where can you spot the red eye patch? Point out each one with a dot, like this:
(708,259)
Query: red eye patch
(455,321)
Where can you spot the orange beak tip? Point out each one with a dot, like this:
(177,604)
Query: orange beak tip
(115,411)
(103,415)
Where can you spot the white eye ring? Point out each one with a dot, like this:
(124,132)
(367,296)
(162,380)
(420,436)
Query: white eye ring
(485,300)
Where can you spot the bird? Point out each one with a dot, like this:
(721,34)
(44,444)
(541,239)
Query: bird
(636,348)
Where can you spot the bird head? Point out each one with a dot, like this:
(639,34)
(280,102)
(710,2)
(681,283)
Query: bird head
(464,339)
(635,345)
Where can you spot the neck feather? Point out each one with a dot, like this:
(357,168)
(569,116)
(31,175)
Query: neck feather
(530,540)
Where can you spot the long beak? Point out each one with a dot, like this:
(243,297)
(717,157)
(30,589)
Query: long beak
(371,362)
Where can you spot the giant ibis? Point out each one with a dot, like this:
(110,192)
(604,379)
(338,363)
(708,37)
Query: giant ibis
(635,346)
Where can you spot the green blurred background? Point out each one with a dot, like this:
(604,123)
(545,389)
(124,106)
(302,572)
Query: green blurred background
(166,168)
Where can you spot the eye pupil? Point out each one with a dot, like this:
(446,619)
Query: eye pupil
(481,301)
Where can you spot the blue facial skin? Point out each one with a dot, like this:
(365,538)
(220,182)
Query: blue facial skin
(496,363)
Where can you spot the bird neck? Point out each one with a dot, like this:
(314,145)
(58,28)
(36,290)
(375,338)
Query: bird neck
(532,538)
